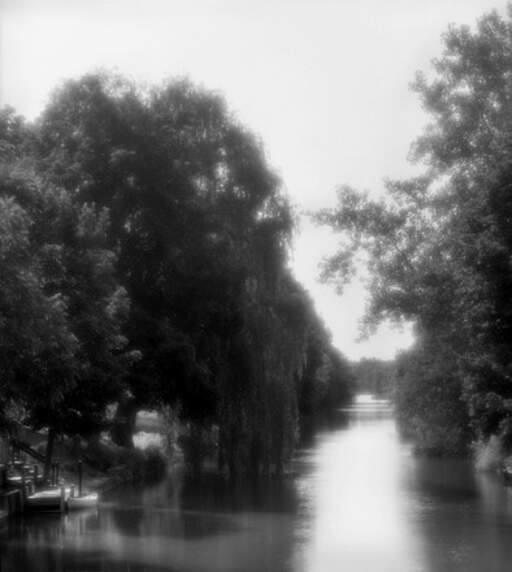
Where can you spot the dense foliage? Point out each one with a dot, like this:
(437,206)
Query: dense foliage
(439,246)
(143,247)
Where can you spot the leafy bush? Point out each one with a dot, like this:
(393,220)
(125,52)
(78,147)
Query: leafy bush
(429,402)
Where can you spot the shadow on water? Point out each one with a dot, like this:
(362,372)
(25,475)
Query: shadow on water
(311,425)
(211,493)
(41,543)
(180,524)
(463,518)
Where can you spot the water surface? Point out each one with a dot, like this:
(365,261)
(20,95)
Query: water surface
(356,500)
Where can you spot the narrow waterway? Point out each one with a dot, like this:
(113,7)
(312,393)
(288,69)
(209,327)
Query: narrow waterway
(356,500)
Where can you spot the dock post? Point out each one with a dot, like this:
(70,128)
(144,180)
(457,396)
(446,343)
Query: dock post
(36,470)
(80,471)
(62,499)
(23,495)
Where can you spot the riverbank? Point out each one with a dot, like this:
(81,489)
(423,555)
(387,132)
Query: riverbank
(95,466)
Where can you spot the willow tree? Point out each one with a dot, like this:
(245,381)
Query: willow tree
(187,188)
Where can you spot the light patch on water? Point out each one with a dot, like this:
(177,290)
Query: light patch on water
(358,510)
(364,398)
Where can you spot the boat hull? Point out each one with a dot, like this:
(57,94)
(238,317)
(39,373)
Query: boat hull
(83,502)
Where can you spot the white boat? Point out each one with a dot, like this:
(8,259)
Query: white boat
(52,499)
(85,501)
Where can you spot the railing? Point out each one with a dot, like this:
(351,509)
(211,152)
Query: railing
(21,446)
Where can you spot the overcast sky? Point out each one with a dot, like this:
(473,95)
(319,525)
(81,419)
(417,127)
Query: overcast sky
(323,82)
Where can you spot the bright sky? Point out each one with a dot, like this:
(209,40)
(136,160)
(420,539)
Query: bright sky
(323,82)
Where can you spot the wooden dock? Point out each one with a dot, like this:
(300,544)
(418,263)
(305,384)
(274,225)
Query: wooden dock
(60,500)
(22,488)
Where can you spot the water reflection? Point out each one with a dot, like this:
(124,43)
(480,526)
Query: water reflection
(356,499)
(464,519)
(358,506)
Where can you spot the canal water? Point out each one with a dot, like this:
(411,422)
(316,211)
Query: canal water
(356,500)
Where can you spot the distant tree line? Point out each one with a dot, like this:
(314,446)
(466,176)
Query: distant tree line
(439,247)
(143,264)
(375,376)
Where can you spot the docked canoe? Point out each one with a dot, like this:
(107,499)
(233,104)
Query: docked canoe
(47,500)
(85,501)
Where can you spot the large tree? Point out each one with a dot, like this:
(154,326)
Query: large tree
(62,307)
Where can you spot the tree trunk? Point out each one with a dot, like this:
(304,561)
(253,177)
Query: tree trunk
(124,422)
(279,445)
(255,456)
(196,449)
(221,452)
(49,453)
